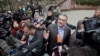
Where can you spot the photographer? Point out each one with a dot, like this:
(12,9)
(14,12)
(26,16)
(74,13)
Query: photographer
(33,38)
(92,31)
(6,42)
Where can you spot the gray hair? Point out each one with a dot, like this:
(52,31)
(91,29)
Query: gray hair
(63,15)
(36,14)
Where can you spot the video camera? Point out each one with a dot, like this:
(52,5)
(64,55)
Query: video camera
(91,24)
(5,24)
(5,21)
(92,32)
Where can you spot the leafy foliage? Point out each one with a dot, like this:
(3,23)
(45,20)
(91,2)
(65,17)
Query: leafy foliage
(88,2)
(3,3)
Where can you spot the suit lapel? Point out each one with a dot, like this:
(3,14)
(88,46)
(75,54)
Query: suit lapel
(56,29)
(65,33)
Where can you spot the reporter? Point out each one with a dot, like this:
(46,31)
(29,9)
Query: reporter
(33,37)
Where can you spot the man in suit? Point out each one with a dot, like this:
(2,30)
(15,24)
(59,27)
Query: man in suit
(33,36)
(60,28)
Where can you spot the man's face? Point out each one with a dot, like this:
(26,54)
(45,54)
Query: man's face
(19,7)
(32,31)
(62,21)
(37,17)
(26,30)
(49,13)
(97,13)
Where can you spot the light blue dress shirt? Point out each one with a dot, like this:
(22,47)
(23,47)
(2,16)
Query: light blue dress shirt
(61,32)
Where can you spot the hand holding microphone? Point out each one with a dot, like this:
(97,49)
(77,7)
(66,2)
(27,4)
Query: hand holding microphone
(59,41)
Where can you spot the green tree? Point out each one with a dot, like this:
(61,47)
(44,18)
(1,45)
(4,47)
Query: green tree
(3,3)
(88,2)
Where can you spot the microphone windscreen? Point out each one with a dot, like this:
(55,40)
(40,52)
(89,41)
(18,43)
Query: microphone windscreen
(59,39)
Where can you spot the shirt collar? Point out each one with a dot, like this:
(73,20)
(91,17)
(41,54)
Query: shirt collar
(61,27)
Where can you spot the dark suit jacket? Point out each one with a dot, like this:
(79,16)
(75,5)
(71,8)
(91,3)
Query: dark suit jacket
(52,42)
(37,41)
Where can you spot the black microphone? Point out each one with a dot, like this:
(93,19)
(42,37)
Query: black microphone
(65,49)
(46,54)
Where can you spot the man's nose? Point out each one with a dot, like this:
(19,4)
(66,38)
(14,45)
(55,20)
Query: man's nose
(61,21)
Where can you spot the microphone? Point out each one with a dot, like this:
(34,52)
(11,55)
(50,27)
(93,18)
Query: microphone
(65,49)
(46,54)
(59,39)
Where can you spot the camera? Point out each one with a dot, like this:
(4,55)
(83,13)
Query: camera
(92,32)
(5,21)
(91,23)
(5,24)
(3,33)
